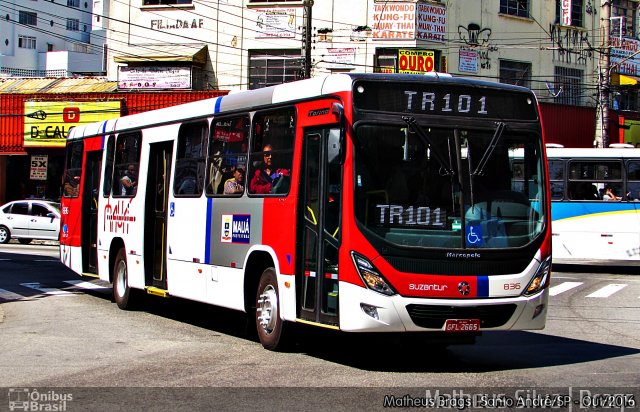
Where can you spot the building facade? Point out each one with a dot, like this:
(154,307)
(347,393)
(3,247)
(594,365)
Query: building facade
(43,38)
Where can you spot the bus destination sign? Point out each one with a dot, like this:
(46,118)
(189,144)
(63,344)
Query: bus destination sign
(444,100)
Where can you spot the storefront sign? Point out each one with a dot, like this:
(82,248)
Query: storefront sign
(154,78)
(565,12)
(170,24)
(38,170)
(431,22)
(394,21)
(280,22)
(47,123)
(343,58)
(416,61)
(468,61)
(624,59)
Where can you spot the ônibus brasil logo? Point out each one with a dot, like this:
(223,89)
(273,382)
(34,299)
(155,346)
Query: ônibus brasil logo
(25,399)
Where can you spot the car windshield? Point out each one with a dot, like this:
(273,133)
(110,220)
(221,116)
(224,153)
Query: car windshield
(422,185)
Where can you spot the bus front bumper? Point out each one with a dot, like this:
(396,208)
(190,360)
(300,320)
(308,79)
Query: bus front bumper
(362,310)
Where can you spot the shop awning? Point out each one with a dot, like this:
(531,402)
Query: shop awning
(196,54)
(618,79)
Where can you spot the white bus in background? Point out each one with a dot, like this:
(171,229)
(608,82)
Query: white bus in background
(591,224)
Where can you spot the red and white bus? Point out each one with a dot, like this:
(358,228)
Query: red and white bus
(369,203)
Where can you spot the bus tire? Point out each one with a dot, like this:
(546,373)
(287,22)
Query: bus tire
(271,328)
(121,289)
(5,234)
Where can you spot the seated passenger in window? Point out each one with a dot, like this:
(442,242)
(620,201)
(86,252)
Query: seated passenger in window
(609,194)
(268,179)
(129,181)
(235,185)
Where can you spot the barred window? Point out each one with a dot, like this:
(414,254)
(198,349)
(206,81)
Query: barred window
(513,72)
(73,3)
(271,67)
(518,8)
(568,86)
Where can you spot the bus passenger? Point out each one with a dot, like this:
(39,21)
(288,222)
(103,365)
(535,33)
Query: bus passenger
(268,179)
(129,181)
(235,185)
(609,194)
(71,184)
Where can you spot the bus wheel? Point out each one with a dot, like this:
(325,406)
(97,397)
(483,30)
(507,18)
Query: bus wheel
(121,290)
(270,326)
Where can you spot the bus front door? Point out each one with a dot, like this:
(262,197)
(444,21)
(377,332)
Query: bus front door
(317,272)
(89,225)
(155,225)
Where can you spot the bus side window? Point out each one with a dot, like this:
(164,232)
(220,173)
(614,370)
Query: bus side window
(228,147)
(126,164)
(556,177)
(190,159)
(272,152)
(71,183)
(633,181)
(108,167)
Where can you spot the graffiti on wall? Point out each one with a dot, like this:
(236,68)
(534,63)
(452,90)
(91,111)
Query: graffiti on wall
(476,37)
(571,46)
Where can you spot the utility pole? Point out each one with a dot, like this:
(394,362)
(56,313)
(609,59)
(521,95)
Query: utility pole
(306,38)
(604,77)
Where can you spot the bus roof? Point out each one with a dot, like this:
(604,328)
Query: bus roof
(282,93)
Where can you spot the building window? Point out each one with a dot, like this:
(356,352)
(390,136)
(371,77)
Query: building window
(73,3)
(625,10)
(568,86)
(518,8)
(26,42)
(164,2)
(577,7)
(73,24)
(518,73)
(271,67)
(27,17)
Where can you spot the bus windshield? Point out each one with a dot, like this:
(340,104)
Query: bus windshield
(449,187)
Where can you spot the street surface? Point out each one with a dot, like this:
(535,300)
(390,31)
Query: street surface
(60,331)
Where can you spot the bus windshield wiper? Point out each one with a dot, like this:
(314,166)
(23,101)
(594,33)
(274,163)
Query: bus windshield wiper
(411,122)
(497,135)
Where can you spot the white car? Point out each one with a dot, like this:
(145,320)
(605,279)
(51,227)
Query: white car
(26,220)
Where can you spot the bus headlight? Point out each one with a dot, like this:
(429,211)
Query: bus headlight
(541,278)
(371,276)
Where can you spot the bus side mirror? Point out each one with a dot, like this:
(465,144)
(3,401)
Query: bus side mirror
(335,147)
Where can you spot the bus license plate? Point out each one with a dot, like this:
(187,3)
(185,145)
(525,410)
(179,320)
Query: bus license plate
(462,325)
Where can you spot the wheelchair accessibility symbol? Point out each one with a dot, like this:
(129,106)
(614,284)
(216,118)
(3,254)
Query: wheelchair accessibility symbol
(474,235)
